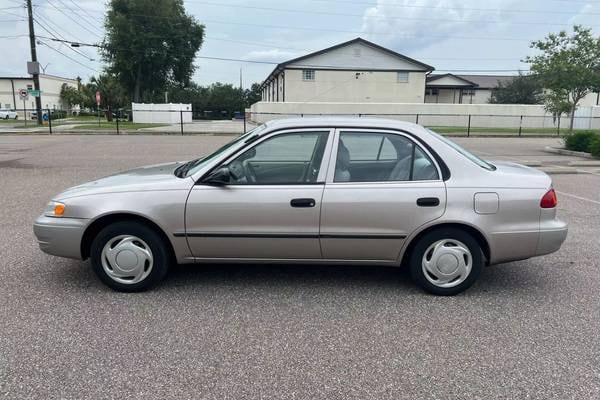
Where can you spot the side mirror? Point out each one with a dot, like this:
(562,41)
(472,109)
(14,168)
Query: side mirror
(222,176)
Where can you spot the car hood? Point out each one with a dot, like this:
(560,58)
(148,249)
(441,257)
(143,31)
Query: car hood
(147,178)
(510,174)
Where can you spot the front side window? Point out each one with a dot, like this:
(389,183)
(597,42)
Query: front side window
(286,159)
(308,74)
(381,157)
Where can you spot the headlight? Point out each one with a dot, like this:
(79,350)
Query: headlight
(55,209)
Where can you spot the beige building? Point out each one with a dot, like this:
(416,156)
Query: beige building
(50,86)
(462,89)
(353,71)
(359,71)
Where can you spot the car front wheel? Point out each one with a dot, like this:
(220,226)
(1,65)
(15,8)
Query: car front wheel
(129,256)
(446,261)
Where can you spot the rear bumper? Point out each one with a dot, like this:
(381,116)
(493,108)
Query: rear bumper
(60,236)
(552,235)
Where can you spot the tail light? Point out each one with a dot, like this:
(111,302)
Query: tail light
(549,200)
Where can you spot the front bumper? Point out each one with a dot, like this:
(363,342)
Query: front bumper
(60,236)
(552,235)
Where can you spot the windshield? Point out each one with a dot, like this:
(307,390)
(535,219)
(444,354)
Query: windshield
(191,167)
(482,163)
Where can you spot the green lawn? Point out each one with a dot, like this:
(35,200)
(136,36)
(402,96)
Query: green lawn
(497,131)
(123,125)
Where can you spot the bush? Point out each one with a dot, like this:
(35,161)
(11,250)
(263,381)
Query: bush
(594,147)
(579,141)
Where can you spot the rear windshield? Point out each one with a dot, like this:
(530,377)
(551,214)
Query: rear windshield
(482,163)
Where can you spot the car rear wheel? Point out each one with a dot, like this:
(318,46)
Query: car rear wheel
(446,261)
(129,256)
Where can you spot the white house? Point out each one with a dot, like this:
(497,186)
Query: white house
(353,71)
(50,86)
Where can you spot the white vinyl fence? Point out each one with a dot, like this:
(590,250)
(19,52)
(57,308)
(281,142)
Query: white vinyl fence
(161,113)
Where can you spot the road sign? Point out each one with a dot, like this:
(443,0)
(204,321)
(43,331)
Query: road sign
(98,98)
(34,93)
(23,94)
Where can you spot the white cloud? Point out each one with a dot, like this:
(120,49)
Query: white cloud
(394,21)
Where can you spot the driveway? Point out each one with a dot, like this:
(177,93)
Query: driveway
(526,329)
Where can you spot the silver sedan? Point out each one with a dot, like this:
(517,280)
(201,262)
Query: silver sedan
(337,191)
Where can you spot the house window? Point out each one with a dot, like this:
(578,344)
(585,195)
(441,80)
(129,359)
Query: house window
(468,92)
(402,77)
(432,92)
(308,74)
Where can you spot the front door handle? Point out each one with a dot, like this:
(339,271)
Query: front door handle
(303,202)
(428,202)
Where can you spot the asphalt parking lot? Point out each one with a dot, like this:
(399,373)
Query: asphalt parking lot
(527,329)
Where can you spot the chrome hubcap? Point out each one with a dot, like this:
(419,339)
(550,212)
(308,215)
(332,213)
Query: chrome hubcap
(127,259)
(447,263)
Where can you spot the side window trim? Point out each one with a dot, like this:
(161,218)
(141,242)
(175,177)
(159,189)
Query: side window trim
(324,160)
(415,142)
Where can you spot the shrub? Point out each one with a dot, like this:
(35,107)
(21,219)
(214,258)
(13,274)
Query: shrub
(594,147)
(579,141)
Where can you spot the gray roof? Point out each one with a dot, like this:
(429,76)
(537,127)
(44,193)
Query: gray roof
(481,81)
(282,65)
(487,81)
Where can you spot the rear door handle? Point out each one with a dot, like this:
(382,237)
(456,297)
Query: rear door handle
(303,202)
(428,202)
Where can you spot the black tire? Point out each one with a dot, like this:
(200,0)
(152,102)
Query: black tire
(416,257)
(160,253)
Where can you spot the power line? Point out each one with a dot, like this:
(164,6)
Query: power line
(400,6)
(368,33)
(69,57)
(71,18)
(57,39)
(82,9)
(274,46)
(55,27)
(85,20)
(13,36)
(393,17)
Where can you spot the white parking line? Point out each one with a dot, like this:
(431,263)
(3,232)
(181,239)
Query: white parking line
(578,197)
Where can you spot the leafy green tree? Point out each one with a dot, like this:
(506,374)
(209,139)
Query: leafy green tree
(523,89)
(253,95)
(70,96)
(556,102)
(150,44)
(112,94)
(568,67)
(217,100)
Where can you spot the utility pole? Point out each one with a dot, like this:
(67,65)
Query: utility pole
(35,71)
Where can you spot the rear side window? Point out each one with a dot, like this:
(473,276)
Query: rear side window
(381,157)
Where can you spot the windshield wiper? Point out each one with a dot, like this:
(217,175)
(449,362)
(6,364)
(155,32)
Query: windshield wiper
(182,170)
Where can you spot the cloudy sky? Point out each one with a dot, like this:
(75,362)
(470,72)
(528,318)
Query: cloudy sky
(452,35)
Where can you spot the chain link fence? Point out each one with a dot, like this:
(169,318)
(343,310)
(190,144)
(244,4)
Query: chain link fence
(182,122)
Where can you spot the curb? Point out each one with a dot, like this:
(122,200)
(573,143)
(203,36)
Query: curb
(565,152)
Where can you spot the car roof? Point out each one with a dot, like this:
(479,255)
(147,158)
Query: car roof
(355,122)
